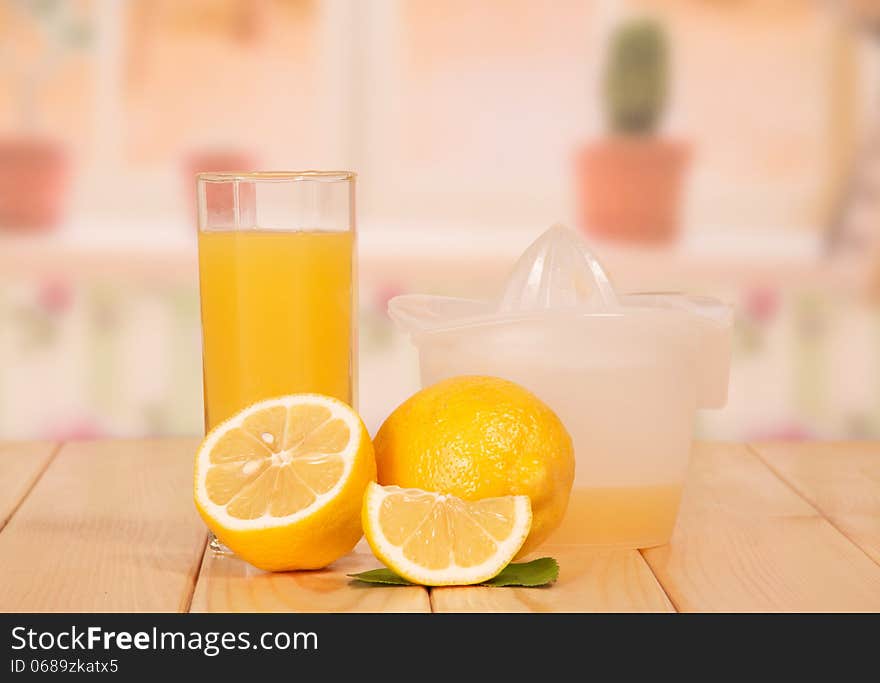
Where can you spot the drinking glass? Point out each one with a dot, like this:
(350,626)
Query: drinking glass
(277,260)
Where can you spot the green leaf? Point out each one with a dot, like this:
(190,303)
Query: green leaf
(383,575)
(540,572)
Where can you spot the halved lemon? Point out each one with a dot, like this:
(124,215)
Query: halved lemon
(440,540)
(281,482)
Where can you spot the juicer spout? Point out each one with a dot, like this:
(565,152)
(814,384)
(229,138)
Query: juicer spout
(558,271)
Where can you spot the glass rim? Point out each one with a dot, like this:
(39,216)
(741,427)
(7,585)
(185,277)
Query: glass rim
(277,176)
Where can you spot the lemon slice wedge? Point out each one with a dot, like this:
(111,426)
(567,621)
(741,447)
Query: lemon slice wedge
(440,540)
(281,482)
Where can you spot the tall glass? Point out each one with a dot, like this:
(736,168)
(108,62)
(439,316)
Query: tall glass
(278,292)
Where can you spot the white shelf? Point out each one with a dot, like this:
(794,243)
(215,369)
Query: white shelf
(167,250)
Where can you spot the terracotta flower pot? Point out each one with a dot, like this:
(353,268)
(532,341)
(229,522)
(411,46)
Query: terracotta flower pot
(33,184)
(217,161)
(630,189)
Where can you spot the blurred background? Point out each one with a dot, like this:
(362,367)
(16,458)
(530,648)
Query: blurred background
(723,147)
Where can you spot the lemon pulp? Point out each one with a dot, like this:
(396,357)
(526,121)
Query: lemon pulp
(281,482)
(437,539)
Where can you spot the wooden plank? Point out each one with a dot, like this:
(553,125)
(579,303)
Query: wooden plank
(110,526)
(745,541)
(21,464)
(590,580)
(841,480)
(227,584)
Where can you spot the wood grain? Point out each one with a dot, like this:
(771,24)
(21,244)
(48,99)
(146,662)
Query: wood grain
(745,541)
(110,526)
(21,464)
(590,580)
(227,584)
(841,480)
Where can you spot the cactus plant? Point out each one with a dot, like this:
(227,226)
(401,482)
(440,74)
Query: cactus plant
(34,167)
(635,80)
(60,29)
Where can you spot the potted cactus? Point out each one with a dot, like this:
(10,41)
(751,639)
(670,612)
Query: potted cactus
(34,168)
(630,182)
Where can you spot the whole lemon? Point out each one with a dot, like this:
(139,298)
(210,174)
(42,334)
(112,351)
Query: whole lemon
(479,437)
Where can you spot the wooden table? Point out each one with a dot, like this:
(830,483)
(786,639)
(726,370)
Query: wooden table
(110,526)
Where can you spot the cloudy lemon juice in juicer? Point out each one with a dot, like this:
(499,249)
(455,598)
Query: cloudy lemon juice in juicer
(276,258)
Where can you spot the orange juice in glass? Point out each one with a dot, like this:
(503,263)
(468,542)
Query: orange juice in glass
(278,295)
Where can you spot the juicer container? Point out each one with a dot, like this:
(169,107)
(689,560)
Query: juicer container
(625,374)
